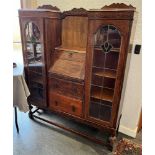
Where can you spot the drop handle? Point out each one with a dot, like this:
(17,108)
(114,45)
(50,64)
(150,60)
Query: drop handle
(73,108)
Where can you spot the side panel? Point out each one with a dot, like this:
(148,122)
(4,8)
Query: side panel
(32,33)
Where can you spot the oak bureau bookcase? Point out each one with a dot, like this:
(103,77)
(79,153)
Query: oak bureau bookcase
(75,61)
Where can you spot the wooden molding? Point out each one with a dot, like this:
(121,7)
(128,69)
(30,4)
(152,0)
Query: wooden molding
(118,6)
(49,7)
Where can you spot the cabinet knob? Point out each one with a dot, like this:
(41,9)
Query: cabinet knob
(73,108)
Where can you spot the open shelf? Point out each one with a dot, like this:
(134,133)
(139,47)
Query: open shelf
(106,94)
(106,73)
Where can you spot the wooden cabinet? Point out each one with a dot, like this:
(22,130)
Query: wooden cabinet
(75,61)
(108,46)
(37,28)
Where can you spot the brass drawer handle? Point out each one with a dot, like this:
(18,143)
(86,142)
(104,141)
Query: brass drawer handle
(73,108)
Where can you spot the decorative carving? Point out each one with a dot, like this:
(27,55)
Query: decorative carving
(118,6)
(49,7)
(75,12)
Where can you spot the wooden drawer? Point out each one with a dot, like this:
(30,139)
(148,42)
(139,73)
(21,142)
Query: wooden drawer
(65,104)
(70,55)
(68,88)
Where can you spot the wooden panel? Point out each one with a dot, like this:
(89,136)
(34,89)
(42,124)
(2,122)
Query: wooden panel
(68,63)
(65,87)
(52,37)
(68,68)
(65,104)
(74,32)
(70,55)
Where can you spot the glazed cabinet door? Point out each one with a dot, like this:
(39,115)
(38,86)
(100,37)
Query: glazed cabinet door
(34,59)
(105,63)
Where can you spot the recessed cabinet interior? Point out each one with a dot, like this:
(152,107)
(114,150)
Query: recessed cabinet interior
(34,61)
(106,50)
(75,61)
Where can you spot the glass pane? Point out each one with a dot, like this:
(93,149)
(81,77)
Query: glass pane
(99,58)
(32,32)
(111,60)
(107,41)
(33,48)
(94,109)
(105,113)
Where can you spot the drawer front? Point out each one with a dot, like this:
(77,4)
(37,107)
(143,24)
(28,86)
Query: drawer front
(65,104)
(67,88)
(69,55)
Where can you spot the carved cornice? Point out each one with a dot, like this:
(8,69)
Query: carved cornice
(118,6)
(75,12)
(49,7)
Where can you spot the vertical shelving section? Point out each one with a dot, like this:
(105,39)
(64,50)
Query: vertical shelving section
(107,41)
(35,63)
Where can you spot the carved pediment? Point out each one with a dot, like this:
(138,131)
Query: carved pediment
(118,6)
(49,7)
(75,12)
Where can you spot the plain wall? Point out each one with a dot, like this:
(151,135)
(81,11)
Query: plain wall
(131,94)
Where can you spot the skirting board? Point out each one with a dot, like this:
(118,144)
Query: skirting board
(128,131)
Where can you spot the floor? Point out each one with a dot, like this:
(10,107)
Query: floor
(36,138)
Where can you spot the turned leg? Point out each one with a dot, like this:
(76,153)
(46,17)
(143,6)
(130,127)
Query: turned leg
(112,141)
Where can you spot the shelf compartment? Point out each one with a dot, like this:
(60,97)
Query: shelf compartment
(102,93)
(105,60)
(100,112)
(109,83)
(106,103)
(98,58)
(105,73)
(111,61)
(96,80)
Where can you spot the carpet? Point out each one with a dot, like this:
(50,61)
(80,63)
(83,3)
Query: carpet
(127,147)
